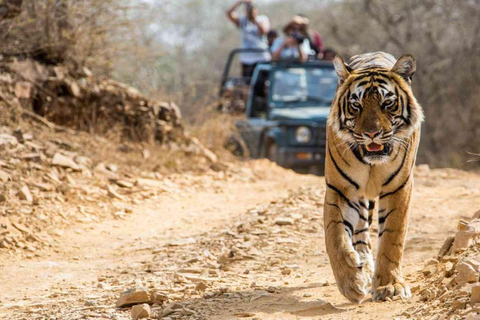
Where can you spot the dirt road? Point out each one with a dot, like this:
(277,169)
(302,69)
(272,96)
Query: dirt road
(256,247)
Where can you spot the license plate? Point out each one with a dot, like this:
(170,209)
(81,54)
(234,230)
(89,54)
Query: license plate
(304,156)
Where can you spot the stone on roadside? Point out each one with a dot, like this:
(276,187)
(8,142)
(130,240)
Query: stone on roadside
(476,215)
(465,238)
(468,272)
(4,177)
(446,246)
(65,162)
(113,193)
(475,294)
(429,270)
(132,297)
(25,194)
(284,221)
(140,311)
(158,297)
(201,286)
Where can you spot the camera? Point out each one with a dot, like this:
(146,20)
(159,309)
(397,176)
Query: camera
(298,37)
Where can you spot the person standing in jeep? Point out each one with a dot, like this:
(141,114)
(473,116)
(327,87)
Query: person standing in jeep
(254,29)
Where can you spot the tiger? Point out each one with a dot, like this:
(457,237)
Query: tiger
(373,132)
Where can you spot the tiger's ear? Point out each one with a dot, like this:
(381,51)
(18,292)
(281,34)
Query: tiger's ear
(405,67)
(343,70)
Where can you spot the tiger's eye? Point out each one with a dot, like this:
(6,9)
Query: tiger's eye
(388,103)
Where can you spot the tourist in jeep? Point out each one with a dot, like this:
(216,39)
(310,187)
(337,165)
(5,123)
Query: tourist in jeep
(294,46)
(254,29)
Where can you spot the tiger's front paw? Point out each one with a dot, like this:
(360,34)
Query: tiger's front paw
(351,280)
(368,268)
(395,287)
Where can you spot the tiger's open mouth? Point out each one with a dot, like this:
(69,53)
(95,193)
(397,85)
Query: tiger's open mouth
(376,150)
(374,147)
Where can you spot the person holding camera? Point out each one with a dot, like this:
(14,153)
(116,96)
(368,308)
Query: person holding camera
(294,45)
(254,29)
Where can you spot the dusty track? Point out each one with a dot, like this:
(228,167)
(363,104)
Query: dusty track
(90,266)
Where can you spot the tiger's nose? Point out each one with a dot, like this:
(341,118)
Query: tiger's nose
(372,134)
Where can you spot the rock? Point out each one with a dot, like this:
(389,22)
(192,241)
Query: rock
(446,246)
(476,215)
(271,289)
(4,177)
(146,153)
(462,225)
(113,193)
(465,238)
(475,294)
(467,272)
(286,271)
(123,183)
(158,297)
(132,297)
(65,162)
(167,311)
(25,194)
(284,221)
(448,269)
(140,311)
(7,140)
(204,151)
(201,286)
(187,312)
(23,89)
(429,270)
(112,167)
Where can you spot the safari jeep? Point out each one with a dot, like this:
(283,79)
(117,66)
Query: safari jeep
(287,111)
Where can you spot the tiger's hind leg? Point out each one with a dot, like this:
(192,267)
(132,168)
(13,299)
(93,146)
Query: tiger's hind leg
(393,220)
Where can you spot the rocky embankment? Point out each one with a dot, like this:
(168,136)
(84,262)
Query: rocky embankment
(451,285)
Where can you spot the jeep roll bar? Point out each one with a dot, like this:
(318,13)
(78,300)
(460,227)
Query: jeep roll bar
(232,54)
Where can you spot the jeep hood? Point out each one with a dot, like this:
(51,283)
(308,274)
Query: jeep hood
(300,113)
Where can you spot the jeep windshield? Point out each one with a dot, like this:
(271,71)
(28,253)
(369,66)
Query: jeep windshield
(294,85)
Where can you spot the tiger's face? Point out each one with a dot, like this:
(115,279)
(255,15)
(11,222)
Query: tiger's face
(375,111)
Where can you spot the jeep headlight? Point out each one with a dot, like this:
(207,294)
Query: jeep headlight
(303,135)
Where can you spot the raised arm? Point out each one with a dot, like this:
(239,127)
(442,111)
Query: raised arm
(232,16)
(263,25)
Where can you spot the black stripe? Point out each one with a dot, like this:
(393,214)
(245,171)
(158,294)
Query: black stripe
(361,231)
(356,152)
(349,226)
(379,80)
(384,218)
(371,205)
(360,242)
(396,190)
(363,204)
(385,230)
(343,174)
(370,218)
(362,217)
(394,174)
(382,210)
(350,204)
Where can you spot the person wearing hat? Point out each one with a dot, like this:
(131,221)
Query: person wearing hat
(313,36)
(294,45)
(254,29)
